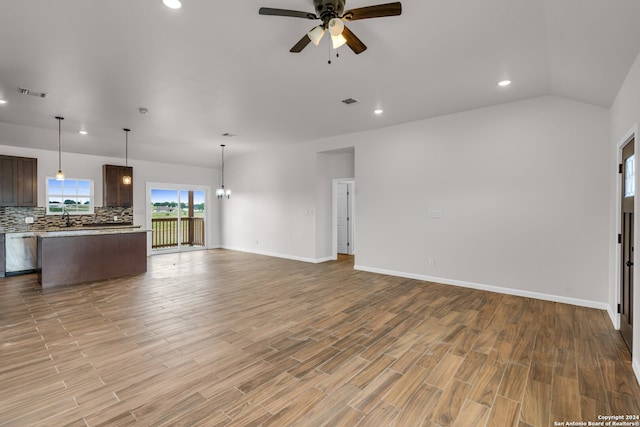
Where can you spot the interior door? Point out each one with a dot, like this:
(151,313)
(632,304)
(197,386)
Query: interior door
(343,218)
(626,277)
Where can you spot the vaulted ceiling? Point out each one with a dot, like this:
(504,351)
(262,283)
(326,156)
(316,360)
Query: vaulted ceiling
(216,67)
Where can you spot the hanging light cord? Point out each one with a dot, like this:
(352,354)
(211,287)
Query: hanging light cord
(222,165)
(59,143)
(126,147)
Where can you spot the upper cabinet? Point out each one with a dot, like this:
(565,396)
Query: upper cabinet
(18,181)
(114,192)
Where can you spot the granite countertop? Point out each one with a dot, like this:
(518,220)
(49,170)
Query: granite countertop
(89,231)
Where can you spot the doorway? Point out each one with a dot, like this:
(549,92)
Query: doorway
(627,209)
(177,219)
(344,217)
(343,197)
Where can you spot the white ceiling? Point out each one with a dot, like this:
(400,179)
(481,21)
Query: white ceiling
(214,67)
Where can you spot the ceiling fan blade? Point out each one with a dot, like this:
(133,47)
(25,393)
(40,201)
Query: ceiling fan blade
(377,11)
(304,41)
(353,42)
(286,12)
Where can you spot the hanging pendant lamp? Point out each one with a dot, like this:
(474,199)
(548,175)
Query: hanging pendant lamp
(59,174)
(222,192)
(126,178)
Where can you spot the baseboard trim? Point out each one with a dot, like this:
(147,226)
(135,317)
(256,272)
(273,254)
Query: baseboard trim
(615,317)
(490,288)
(278,255)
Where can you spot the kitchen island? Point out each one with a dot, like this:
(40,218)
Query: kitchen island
(69,257)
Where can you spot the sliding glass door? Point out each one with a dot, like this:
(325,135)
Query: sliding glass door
(177,219)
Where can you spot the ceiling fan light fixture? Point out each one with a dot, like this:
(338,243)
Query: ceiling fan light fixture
(336,26)
(316,34)
(338,41)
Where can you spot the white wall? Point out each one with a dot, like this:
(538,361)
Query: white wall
(523,192)
(625,116)
(87,166)
(272,207)
(522,187)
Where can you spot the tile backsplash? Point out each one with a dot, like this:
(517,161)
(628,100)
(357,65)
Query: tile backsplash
(13,219)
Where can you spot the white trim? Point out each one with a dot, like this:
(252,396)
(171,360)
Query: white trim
(613,312)
(334,216)
(489,288)
(278,255)
(635,364)
(614,316)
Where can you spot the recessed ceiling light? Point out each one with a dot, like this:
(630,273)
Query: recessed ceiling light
(504,83)
(3,101)
(378,111)
(172,4)
(83,132)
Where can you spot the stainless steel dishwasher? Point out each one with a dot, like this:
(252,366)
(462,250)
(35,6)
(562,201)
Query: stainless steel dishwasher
(21,253)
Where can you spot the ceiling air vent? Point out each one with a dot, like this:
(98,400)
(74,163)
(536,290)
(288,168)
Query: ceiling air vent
(25,91)
(350,101)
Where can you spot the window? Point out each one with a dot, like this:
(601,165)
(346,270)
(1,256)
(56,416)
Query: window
(630,176)
(71,195)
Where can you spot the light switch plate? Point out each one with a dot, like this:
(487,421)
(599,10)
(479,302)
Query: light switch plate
(435,214)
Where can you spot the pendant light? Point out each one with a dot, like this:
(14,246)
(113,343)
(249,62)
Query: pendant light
(126,178)
(222,192)
(59,174)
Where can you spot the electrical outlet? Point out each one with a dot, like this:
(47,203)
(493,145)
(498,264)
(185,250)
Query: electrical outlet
(28,220)
(115,217)
(432,263)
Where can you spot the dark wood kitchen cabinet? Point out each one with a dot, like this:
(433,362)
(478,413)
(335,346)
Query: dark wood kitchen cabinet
(114,192)
(3,261)
(18,181)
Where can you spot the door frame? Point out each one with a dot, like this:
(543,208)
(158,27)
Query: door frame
(614,315)
(178,187)
(334,216)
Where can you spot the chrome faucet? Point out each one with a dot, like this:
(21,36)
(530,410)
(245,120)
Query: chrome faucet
(65,213)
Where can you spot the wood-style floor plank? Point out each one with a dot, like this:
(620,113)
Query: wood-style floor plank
(222,338)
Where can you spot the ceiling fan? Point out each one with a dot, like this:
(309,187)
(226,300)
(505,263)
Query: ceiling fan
(332,15)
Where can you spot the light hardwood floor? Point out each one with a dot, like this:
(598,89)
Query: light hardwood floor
(218,338)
